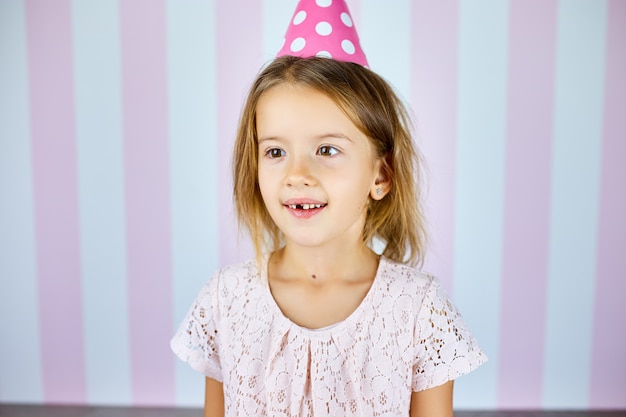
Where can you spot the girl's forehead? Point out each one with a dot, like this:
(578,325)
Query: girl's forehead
(297,107)
(289,98)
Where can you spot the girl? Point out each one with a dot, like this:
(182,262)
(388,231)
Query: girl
(319,324)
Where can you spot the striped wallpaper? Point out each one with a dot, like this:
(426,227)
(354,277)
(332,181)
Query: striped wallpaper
(116,123)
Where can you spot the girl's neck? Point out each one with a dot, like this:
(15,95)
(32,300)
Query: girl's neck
(324,265)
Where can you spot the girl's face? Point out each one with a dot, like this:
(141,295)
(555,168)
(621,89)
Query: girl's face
(317,170)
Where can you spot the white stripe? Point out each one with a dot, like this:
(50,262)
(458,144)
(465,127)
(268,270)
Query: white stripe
(20,359)
(276,19)
(483,42)
(194,161)
(576,160)
(96,42)
(384,29)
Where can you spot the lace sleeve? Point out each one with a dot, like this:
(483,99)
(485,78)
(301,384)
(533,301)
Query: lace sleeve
(197,339)
(444,347)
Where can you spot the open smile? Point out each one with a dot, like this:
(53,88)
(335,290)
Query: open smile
(305,206)
(304,210)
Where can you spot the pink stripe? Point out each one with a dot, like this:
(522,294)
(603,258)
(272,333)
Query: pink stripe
(434,94)
(56,199)
(239,58)
(608,370)
(532,46)
(146,163)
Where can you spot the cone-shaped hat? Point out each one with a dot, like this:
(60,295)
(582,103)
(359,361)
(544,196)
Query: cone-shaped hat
(323,28)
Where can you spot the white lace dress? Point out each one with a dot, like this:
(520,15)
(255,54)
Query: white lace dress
(405,336)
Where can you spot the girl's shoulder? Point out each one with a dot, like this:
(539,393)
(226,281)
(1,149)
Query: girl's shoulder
(406,276)
(231,281)
(418,288)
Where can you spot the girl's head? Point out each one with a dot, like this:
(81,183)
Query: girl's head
(372,106)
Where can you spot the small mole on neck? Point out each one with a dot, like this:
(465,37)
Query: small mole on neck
(314,276)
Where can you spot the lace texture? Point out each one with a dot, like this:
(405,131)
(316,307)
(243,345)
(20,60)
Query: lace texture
(405,336)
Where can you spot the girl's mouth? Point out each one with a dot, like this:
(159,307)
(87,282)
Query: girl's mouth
(305,206)
(305,210)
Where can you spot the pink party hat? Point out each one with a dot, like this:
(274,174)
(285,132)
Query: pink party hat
(323,28)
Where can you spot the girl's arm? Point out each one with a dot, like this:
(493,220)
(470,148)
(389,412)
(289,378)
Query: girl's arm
(213,399)
(433,402)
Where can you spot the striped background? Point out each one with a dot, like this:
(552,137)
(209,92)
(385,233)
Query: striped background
(116,123)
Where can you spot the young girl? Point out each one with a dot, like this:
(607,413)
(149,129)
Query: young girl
(319,324)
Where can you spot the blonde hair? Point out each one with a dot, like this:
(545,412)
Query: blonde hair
(374,108)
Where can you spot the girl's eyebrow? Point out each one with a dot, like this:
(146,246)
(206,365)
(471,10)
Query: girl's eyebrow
(261,140)
(334,135)
(330,135)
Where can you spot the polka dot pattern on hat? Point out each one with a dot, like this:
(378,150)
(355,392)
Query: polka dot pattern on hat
(348,47)
(299,17)
(323,28)
(346,19)
(297,44)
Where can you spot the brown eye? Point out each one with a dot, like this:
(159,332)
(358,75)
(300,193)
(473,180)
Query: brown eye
(275,153)
(327,150)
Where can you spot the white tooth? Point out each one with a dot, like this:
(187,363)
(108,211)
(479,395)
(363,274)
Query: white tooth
(293,206)
(305,206)
(318,205)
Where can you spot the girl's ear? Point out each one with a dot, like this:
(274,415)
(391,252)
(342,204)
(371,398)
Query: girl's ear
(382,185)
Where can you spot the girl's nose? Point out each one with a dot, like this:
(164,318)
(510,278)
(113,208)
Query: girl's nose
(299,172)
